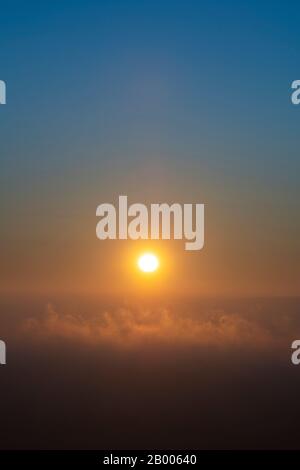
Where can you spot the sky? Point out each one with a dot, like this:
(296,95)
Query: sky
(161,101)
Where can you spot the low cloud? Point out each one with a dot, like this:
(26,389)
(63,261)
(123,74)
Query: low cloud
(127,326)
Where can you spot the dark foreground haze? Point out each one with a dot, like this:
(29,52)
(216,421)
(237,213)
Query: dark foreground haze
(203,375)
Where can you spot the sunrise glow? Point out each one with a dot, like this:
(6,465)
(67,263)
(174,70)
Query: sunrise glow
(148,263)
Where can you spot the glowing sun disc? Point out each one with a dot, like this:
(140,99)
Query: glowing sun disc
(148,263)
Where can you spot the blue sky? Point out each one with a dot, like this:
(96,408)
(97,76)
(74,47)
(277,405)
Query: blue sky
(186,100)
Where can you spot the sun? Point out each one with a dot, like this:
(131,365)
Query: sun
(148,263)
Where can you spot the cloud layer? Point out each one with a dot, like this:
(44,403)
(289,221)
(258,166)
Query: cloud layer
(128,326)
